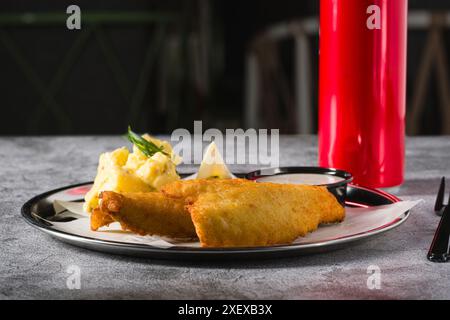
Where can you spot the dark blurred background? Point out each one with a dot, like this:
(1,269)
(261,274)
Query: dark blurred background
(160,65)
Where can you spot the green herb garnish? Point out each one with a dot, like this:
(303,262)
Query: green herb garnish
(146,147)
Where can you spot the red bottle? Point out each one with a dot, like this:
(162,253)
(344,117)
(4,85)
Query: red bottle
(362,80)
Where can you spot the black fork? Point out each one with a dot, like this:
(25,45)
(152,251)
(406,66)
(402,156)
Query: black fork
(439,249)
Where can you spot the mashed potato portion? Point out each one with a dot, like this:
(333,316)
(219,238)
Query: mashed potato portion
(122,171)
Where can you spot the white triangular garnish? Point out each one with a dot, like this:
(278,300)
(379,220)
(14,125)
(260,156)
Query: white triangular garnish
(212,165)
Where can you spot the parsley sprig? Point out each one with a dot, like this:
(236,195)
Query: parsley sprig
(146,147)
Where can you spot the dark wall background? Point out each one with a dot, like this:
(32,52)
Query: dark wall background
(89,99)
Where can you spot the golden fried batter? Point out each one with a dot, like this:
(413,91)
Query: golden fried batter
(262,214)
(186,191)
(148,213)
(100,219)
(191,189)
(222,213)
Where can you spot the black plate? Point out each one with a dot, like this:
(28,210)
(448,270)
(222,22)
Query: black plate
(41,206)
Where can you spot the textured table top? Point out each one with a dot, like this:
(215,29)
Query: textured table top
(33,265)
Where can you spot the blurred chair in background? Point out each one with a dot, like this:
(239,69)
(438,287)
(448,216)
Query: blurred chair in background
(271,100)
(434,55)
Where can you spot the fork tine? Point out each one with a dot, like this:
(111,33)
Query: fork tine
(440,196)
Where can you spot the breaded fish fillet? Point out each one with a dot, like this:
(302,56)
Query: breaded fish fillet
(148,213)
(261,214)
(185,190)
(222,213)
(191,189)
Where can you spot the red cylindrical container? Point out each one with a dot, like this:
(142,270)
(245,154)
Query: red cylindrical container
(362,81)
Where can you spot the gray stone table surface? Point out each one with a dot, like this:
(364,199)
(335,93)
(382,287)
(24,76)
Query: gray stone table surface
(33,265)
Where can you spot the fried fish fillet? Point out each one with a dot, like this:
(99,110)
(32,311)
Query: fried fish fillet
(146,213)
(185,190)
(261,214)
(189,190)
(222,213)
